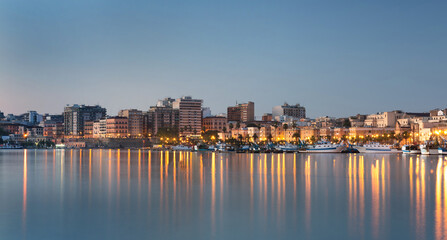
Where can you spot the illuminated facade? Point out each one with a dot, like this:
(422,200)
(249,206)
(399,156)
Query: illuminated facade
(116,127)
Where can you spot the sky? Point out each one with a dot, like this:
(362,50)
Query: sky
(337,58)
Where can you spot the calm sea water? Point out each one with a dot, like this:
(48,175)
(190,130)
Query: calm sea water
(121,194)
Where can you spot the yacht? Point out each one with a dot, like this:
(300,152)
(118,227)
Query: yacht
(410,149)
(325,147)
(376,148)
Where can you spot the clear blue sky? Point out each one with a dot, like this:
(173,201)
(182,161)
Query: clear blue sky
(336,58)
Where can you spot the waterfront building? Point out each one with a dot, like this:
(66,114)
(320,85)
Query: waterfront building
(162,117)
(34,131)
(100,128)
(383,119)
(88,129)
(135,121)
(214,123)
(224,136)
(289,134)
(340,133)
(13,128)
(244,112)
(327,133)
(76,115)
(116,127)
(355,132)
(53,129)
(190,116)
(296,110)
(243,132)
(265,133)
(252,131)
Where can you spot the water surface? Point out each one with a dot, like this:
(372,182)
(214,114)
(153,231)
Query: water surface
(131,194)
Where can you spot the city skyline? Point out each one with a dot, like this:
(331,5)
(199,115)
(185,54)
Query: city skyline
(335,58)
(258,115)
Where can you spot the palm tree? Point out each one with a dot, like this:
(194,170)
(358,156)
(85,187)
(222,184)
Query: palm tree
(293,125)
(230,126)
(224,129)
(255,137)
(240,137)
(296,136)
(285,126)
(269,137)
(238,125)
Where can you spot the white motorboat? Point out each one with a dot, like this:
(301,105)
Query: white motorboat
(325,147)
(376,148)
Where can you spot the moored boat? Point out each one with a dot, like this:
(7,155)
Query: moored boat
(427,150)
(181,148)
(410,149)
(325,147)
(442,150)
(287,148)
(376,148)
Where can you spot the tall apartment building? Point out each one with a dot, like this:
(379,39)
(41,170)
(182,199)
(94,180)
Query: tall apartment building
(234,114)
(244,112)
(76,115)
(296,111)
(135,121)
(162,116)
(190,115)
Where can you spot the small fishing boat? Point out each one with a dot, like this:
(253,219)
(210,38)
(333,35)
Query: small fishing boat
(442,150)
(410,149)
(426,149)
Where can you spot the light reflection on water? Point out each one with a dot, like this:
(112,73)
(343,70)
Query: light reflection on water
(115,194)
